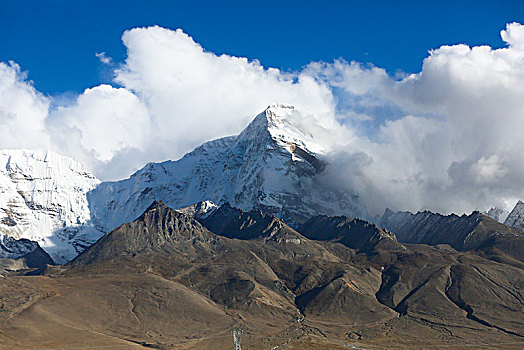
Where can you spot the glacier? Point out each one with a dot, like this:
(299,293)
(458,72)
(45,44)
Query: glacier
(43,199)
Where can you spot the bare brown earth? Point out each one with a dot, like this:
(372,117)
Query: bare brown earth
(167,282)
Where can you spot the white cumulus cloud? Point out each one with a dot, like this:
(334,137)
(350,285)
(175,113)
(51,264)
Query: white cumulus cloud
(104,58)
(105,121)
(448,138)
(23,110)
(194,95)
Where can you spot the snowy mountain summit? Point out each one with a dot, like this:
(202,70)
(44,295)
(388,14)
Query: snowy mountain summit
(43,199)
(271,165)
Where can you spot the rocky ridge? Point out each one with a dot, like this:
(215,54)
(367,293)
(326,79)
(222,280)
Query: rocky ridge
(353,233)
(466,232)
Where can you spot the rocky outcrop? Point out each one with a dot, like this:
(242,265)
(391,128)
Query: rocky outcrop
(24,249)
(159,230)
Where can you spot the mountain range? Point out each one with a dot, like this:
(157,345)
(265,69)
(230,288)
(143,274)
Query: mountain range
(241,235)
(272,165)
(43,198)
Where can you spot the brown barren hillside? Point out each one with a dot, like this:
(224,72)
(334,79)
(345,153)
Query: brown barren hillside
(166,281)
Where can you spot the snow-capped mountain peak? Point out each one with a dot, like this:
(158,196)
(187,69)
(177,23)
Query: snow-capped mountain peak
(497,214)
(284,124)
(271,165)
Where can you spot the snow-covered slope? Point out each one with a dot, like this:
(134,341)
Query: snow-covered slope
(516,217)
(43,199)
(271,165)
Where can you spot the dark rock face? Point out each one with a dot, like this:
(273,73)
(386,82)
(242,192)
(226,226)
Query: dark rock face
(234,223)
(466,232)
(264,233)
(353,233)
(37,258)
(31,252)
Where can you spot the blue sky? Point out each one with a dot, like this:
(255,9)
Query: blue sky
(56,40)
(447,138)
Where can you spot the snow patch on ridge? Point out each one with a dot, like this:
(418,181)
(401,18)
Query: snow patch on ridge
(199,210)
(497,214)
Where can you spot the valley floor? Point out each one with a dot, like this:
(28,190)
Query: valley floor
(144,310)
